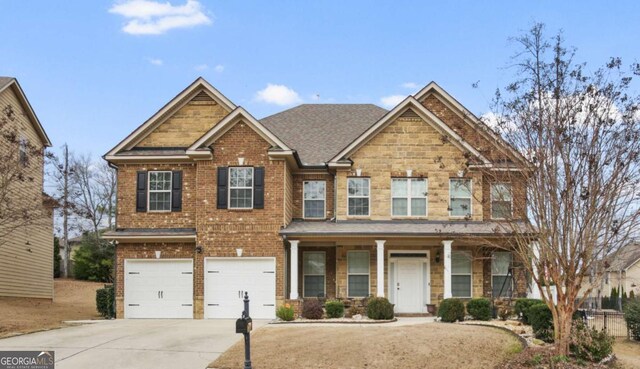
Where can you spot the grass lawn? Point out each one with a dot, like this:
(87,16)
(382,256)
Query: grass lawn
(73,300)
(432,345)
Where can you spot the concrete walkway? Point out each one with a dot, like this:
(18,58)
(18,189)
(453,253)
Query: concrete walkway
(139,344)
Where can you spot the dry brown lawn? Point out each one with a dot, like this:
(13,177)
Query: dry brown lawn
(432,345)
(73,300)
(628,353)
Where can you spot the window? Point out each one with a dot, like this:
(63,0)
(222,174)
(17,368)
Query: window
(313,271)
(159,191)
(358,196)
(500,280)
(461,274)
(460,197)
(358,273)
(241,188)
(501,200)
(23,151)
(314,199)
(409,197)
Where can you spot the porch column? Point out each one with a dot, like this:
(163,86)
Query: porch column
(447,268)
(534,291)
(380,267)
(293,294)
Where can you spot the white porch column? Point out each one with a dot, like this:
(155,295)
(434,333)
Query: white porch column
(534,291)
(447,268)
(380,268)
(293,259)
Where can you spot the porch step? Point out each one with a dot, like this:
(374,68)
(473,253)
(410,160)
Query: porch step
(413,315)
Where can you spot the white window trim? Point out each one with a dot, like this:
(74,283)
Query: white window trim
(368,274)
(491,198)
(470,198)
(410,197)
(239,188)
(468,253)
(158,191)
(324,201)
(304,273)
(501,275)
(359,197)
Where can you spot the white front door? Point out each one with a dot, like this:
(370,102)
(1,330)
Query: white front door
(157,288)
(409,285)
(226,280)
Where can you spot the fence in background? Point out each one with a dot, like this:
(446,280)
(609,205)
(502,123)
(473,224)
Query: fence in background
(608,320)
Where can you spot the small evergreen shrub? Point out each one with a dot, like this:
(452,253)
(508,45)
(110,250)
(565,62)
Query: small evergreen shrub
(104,301)
(286,312)
(632,317)
(451,310)
(589,344)
(379,308)
(312,309)
(522,305)
(541,321)
(334,308)
(479,308)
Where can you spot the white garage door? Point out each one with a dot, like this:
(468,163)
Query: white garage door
(158,288)
(226,280)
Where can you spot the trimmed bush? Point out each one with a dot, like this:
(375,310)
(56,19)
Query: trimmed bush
(541,321)
(479,308)
(104,301)
(312,309)
(451,310)
(379,308)
(590,344)
(632,317)
(334,308)
(522,305)
(285,312)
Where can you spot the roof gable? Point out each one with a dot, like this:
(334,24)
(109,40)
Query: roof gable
(10,83)
(192,91)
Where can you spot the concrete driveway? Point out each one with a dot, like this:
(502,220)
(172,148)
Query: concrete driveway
(113,344)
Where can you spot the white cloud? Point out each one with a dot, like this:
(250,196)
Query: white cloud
(157,62)
(391,101)
(219,68)
(201,67)
(279,95)
(146,17)
(410,85)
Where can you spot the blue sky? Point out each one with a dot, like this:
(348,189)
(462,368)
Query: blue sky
(93,72)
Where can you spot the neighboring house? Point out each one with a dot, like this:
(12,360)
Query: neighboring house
(335,200)
(26,255)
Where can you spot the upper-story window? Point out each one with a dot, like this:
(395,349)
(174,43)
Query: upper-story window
(23,151)
(501,201)
(358,196)
(241,188)
(314,199)
(160,191)
(409,197)
(460,197)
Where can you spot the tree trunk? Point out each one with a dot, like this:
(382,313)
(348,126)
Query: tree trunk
(563,335)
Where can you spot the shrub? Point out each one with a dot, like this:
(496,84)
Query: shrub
(522,305)
(57,258)
(285,312)
(334,308)
(104,301)
(479,308)
(451,310)
(505,312)
(354,310)
(93,260)
(590,344)
(379,308)
(312,309)
(632,316)
(541,321)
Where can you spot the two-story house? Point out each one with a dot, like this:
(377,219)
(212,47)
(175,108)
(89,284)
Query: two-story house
(335,200)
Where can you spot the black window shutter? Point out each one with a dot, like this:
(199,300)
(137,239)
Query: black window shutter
(141,192)
(222,187)
(176,190)
(258,188)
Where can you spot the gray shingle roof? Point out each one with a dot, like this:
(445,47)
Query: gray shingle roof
(5,81)
(393,227)
(625,257)
(319,131)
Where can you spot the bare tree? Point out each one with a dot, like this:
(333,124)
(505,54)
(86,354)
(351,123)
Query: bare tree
(581,134)
(106,182)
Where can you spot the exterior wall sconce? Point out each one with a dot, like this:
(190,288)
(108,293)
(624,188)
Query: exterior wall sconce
(239,252)
(158,253)
(438,257)
(199,249)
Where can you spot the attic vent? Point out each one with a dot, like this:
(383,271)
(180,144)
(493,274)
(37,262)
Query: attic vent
(202,96)
(409,114)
